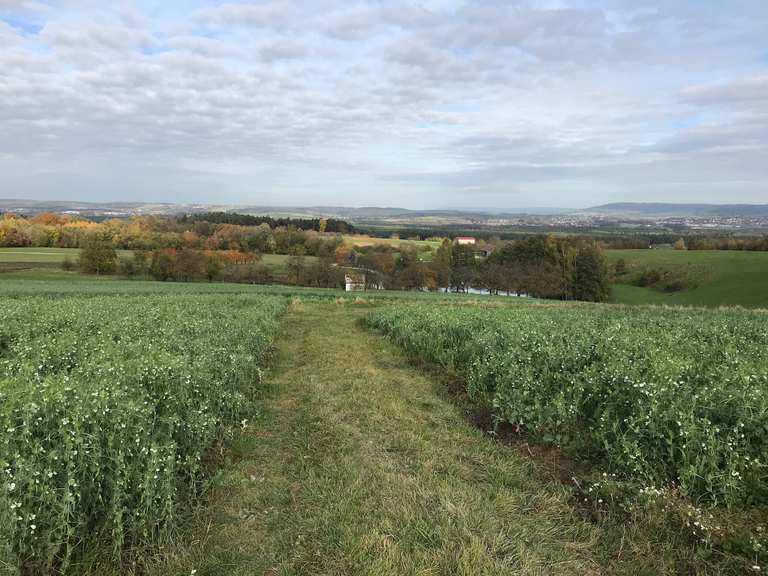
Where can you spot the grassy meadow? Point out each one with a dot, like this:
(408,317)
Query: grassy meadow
(714,278)
(365,240)
(14,259)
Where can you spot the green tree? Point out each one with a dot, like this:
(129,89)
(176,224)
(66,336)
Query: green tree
(441,264)
(213,268)
(98,255)
(463,267)
(126,267)
(492,276)
(162,266)
(591,275)
(141,261)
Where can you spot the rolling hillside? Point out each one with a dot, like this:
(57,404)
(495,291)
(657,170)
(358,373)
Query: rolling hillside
(716,278)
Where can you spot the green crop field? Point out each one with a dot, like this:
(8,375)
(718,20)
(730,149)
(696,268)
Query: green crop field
(716,278)
(228,429)
(690,388)
(108,406)
(665,403)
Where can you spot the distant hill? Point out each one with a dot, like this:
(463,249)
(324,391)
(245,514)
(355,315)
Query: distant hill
(664,210)
(343,212)
(67,206)
(394,216)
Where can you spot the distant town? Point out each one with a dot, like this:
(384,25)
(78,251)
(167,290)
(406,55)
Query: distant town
(737,219)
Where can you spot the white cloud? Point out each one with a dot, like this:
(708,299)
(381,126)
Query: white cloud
(446,102)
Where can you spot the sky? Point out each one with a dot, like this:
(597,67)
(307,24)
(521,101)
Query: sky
(418,104)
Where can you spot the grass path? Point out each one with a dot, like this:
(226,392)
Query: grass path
(360,464)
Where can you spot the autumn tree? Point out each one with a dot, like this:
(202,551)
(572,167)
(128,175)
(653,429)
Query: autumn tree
(295,268)
(189,265)
(162,264)
(343,254)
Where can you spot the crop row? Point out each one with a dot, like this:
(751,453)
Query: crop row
(107,406)
(663,398)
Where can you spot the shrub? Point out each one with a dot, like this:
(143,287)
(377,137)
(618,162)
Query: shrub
(98,255)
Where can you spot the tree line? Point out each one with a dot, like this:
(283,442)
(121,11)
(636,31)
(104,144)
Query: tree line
(155,232)
(750,244)
(194,248)
(545,266)
(317,224)
(565,268)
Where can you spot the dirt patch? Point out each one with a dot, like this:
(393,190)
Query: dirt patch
(296,304)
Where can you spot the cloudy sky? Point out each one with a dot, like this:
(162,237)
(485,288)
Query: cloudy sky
(420,104)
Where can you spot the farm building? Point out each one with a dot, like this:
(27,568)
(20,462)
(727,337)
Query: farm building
(486,251)
(464,240)
(354,282)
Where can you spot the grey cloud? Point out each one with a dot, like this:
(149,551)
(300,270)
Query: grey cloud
(753,90)
(740,136)
(283,50)
(95,43)
(364,18)
(268,14)
(551,34)
(204,46)
(23,6)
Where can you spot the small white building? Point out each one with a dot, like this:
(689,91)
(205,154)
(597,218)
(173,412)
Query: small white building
(354,282)
(465,240)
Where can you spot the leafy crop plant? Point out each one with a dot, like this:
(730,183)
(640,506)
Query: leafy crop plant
(107,406)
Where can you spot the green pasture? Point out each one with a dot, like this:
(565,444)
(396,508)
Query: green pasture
(718,277)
